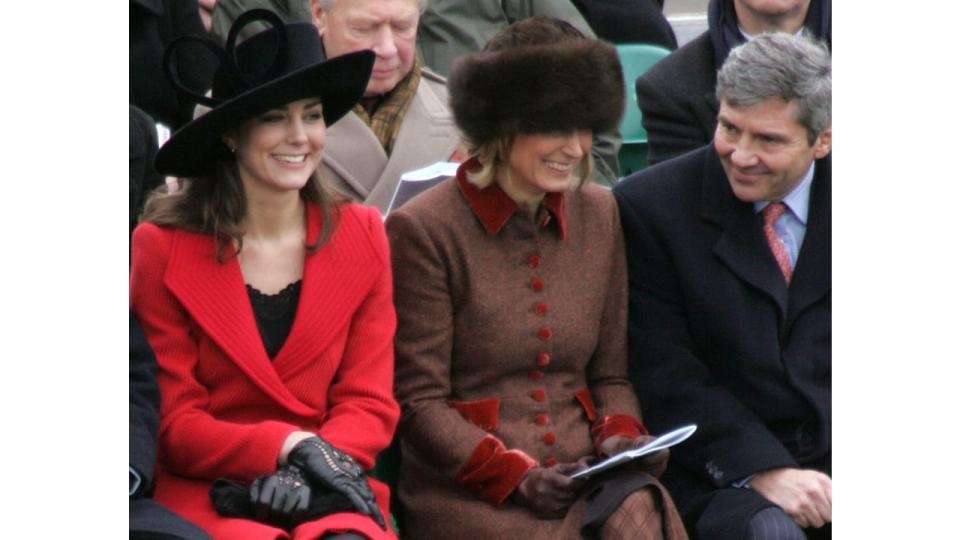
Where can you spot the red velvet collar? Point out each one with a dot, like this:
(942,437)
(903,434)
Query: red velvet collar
(494,207)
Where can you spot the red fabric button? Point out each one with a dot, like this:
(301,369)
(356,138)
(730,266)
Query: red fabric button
(550,461)
(533,261)
(545,333)
(541,420)
(541,309)
(536,374)
(549,437)
(539,394)
(537,284)
(543,359)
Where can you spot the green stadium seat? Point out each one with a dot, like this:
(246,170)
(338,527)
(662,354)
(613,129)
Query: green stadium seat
(636,58)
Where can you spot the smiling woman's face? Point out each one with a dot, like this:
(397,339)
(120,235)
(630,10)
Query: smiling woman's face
(281,148)
(545,163)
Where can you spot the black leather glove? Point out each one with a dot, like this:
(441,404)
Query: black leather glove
(280,498)
(327,466)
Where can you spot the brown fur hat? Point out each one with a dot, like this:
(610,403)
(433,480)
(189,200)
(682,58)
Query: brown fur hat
(538,75)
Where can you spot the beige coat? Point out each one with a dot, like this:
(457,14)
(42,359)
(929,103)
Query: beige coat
(355,163)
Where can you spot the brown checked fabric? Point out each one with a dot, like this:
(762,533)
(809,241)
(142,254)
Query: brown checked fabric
(388,117)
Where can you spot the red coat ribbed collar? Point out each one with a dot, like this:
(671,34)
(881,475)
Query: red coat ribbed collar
(339,274)
(494,207)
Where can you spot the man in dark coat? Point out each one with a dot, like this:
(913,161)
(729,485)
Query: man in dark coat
(148,518)
(676,95)
(729,256)
(628,21)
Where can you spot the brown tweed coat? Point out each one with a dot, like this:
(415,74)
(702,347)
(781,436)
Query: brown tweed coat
(510,346)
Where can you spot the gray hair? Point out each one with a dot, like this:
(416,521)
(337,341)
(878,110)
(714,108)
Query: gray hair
(326,4)
(785,66)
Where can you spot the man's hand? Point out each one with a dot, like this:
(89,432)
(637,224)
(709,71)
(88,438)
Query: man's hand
(654,464)
(805,495)
(549,492)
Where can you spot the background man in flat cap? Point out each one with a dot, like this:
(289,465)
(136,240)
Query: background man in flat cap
(677,95)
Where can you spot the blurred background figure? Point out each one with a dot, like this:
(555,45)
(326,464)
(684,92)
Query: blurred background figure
(206,12)
(153,25)
(677,96)
(227,11)
(628,21)
(452,28)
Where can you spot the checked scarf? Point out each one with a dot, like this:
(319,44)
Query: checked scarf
(388,116)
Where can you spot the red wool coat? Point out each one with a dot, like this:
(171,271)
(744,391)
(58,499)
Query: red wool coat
(225,406)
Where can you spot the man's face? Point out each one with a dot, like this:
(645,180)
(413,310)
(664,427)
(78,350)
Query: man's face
(388,27)
(764,150)
(757,16)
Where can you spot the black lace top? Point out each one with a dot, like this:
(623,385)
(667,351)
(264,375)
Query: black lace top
(274,314)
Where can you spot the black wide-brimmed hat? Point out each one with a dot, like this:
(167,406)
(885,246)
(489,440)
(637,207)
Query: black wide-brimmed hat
(268,70)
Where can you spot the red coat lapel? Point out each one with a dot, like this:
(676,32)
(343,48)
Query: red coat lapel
(215,295)
(336,279)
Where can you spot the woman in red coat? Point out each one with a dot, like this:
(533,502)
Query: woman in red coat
(268,303)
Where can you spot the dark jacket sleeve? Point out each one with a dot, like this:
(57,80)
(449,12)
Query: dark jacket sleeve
(674,383)
(606,149)
(144,405)
(628,21)
(225,12)
(676,100)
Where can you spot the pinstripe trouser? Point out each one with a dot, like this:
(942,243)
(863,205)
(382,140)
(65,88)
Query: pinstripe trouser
(773,524)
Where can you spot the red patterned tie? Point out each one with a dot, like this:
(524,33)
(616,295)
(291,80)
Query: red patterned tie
(770,214)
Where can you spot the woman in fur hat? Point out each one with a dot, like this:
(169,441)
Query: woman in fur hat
(511,294)
(268,303)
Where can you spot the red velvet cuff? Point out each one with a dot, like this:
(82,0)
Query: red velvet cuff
(493,471)
(616,424)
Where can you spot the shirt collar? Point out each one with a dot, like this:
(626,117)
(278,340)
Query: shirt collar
(749,37)
(798,200)
(494,208)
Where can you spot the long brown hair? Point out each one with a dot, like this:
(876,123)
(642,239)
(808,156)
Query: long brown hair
(215,204)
